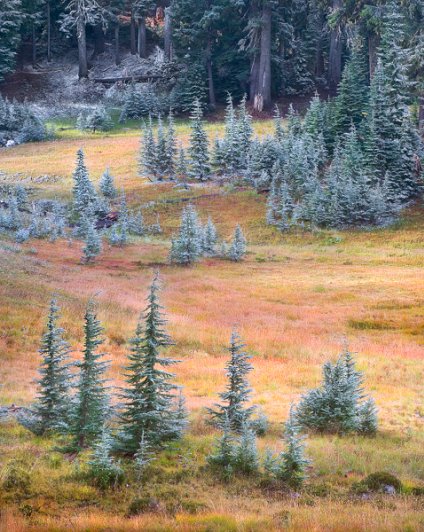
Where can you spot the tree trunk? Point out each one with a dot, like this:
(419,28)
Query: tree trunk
(117,58)
(49,33)
(319,55)
(34,43)
(99,40)
(254,73)
(372,53)
(211,86)
(262,98)
(335,55)
(142,42)
(168,34)
(82,49)
(132,33)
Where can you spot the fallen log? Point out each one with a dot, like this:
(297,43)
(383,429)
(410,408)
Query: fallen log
(127,79)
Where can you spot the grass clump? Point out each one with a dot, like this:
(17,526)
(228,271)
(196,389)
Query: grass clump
(16,477)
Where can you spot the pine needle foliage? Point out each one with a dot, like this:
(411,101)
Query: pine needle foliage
(149,396)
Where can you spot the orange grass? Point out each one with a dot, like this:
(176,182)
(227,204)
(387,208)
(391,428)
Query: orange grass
(295,299)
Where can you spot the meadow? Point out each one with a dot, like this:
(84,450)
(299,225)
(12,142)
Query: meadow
(295,299)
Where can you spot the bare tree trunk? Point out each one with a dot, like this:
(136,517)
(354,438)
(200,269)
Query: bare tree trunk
(372,53)
(168,34)
(34,43)
(117,58)
(82,49)
(262,99)
(211,86)
(142,39)
(49,32)
(335,55)
(132,33)
(254,73)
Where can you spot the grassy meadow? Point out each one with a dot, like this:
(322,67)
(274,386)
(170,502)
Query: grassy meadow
(295,299)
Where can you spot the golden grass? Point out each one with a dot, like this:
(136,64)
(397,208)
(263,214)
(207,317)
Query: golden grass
(295,299)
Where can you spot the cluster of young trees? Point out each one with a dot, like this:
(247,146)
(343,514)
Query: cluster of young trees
(74,398)
(74,401)
(195,240)
(354,159)
(19,124)
(26,219)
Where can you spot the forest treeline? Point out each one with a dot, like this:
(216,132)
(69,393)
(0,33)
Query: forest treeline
(264,48)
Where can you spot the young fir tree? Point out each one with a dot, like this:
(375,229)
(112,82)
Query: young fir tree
(143,457)
(92,400)
(351,103)
(186,247)
(107,185)
(210,238)
(246,459)
(292,462)
(161,150)
(278,125)
(123,220)
(223,455)
(233,408)
(229,154)
(338,406)
(244,132)
(181,167)
(199,145)
(171,149)
(148,152)
(53,398)
(136,224)
(149,397)
(103,470)
(93,242)
(238,246)
(84,195)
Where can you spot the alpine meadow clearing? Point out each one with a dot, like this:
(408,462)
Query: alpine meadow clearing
(297,299)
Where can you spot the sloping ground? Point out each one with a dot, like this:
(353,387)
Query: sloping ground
(295,299)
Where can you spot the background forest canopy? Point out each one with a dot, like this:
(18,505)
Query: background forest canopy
(263,48)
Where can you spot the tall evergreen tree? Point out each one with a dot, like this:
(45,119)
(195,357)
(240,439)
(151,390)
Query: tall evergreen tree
(148,151)
(149,400)
(92,401)
(53,402)
(10,22)
(199,145)
(84,195)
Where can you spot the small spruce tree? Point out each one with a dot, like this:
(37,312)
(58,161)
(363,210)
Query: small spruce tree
(93,242)
(233,408)
(238,246)
(107,185)
(186,247)
(104,471)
